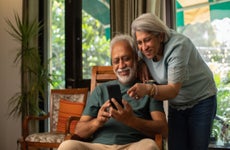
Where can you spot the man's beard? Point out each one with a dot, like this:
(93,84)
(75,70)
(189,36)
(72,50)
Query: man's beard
(128,78)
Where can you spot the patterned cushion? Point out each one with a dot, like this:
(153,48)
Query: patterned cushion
(56,98)
(46,137)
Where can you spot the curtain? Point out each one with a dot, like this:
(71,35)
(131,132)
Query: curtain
(157,7)
(123,12)
(165,10)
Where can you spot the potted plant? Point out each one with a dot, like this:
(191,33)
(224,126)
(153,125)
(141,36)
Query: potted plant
(35,75)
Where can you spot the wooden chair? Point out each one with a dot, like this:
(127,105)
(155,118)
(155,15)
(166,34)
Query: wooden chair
(60,118)
(102,74)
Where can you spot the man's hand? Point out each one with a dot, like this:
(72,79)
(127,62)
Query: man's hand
(124,115)
(103,114)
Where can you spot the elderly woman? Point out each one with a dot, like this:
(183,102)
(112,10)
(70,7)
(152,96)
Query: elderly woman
(181,76)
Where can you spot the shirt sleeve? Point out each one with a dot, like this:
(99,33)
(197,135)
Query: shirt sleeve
(178,59)
(156,105)
(94,102)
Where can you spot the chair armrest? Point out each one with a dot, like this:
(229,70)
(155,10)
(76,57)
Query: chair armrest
(68,123)
(159,141)
(27,119)
(70,136)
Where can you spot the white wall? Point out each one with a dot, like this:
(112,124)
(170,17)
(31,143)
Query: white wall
(10,129)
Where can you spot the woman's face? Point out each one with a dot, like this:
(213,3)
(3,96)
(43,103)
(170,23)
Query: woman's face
(149,44)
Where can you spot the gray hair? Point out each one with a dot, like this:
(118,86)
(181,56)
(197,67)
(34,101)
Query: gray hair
(150,23)
(126,38)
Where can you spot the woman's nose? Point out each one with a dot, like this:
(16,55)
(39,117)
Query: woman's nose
(143,46)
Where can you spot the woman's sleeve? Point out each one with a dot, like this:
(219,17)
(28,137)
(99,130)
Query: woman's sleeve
(178,66)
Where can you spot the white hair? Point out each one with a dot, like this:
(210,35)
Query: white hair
(149,22)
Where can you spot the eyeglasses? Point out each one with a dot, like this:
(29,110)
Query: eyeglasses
(116,61)
(145,40)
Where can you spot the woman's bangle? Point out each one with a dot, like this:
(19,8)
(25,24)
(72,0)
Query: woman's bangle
(156,90)
(153,91)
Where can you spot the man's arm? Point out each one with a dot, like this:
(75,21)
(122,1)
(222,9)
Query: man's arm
(87,125)
(151,127)
(158,124)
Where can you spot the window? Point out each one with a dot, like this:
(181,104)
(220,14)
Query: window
(57,51)
(80,39)
(96,35)
(207,23)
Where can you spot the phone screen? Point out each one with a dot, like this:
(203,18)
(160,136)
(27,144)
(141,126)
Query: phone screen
(115,92)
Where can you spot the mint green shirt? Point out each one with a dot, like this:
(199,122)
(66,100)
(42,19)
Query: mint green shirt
(182,62)
(114,132)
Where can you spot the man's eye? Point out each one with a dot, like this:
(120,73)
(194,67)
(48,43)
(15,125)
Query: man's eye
(125,58)
(115,61)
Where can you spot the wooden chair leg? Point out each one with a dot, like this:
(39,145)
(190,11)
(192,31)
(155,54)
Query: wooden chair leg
(21,144)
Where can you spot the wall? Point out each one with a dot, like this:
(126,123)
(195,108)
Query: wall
(10,129)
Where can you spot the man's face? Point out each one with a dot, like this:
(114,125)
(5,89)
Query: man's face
(123,62)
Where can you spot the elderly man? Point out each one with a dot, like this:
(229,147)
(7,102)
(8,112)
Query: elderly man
(131,126)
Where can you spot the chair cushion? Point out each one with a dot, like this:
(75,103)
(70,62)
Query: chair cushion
(46,137)
(55,99)
(67,109)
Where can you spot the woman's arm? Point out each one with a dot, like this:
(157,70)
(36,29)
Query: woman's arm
(158,92)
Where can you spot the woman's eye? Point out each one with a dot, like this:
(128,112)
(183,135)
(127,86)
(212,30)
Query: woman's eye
(139,42)
(145,40)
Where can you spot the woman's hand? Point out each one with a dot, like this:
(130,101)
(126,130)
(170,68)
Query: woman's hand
(139,90)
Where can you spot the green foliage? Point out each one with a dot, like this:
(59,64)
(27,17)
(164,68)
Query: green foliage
(58,44)
(34,74)
(221,127)
(95,46)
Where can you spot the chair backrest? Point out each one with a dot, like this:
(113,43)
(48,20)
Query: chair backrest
(101,74)
(72,95)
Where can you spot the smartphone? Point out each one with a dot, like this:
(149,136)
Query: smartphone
(115,92)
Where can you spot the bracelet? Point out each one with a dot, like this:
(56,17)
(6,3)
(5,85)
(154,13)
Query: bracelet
(156,90)
(153,91)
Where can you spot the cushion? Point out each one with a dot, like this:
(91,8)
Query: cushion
(46,137)
(67,109)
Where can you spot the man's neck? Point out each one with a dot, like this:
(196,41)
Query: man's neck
(131,82)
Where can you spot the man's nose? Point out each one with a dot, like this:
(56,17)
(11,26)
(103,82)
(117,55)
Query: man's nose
(121,63)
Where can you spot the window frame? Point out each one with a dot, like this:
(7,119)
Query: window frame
(73,45)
